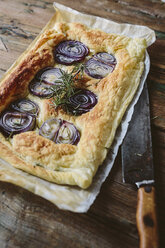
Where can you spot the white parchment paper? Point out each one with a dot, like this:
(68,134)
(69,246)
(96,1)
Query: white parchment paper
(74,198)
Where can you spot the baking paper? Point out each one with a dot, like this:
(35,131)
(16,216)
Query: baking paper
(68,197)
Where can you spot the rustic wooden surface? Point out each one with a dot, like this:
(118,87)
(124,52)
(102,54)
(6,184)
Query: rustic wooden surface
(29,221)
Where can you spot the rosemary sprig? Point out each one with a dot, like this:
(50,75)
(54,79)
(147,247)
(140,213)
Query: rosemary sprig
(38,164)
(65,86)
(9,137)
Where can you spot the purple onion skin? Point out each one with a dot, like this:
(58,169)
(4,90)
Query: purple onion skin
(45,93)
(70,45)
(81,102)
(76,135)
(100,65)
(56,135)
(94,67)
(40,72)
(41,75)
(50,135)
(65,60)
(105,58)
(9,130)
(15,107)
(41,85)
(69,52)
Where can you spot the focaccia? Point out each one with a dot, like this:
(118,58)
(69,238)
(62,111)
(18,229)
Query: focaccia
(62,163)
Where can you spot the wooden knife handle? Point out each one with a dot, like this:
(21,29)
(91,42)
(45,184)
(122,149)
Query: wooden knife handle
(146,217)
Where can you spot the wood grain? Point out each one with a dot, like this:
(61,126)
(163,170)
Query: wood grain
(29,221)
(146,217)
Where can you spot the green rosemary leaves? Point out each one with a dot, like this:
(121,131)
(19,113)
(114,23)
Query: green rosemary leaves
(65,87)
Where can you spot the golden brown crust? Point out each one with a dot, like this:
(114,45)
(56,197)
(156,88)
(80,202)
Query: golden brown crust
(68,164)
(42,151)
(16,84)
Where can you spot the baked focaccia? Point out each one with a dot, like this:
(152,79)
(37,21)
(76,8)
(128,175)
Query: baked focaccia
(61,104)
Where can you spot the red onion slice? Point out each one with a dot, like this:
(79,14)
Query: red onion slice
(65,60)
(40,89)
(26,106)
(67,134)
(14,123)
(61,132)
(50,75)
(70,51)
(105,58)
(98,69)
(50,128)
(81,102)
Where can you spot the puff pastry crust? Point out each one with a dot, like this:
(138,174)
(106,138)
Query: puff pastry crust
(65,163)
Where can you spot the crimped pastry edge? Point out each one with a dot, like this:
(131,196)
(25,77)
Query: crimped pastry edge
(83,176)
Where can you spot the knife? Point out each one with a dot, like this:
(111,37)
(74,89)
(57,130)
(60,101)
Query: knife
(137,168)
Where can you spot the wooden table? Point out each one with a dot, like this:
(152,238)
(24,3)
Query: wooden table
(28,221)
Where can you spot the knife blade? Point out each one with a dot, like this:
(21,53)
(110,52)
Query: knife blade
(138,169)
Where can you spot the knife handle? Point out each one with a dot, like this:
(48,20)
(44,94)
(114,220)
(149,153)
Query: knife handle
(146,217)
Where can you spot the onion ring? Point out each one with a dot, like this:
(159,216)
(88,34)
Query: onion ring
(49,128)
(60,131)
(97,69)
(67,134)
(50,75)
(70,51)
(15,122)
(81,102)
(106,58)
(26,106)
(40,89)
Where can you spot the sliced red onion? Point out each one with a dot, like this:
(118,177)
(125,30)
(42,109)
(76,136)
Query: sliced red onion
(67,134)
(50,128)
(26,106)
(40,89)
(65,60)
(105,58)
(70,51)
(81,102)
(98,69)
(61,132)
(50,75)
(15,122)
